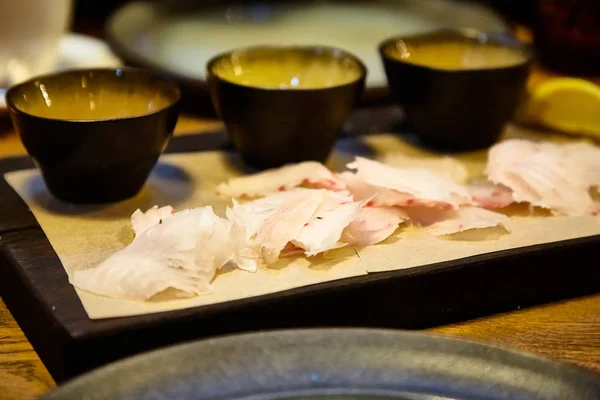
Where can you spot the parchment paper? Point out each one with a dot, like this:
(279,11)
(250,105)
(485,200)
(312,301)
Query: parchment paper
(82,236)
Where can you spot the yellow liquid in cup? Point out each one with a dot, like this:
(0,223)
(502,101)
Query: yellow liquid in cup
(83,98)
(287,69)
(455,54)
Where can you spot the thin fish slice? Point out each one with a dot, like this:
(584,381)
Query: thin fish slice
(420,186)
(254,213)
(467,218)
(309,173)
(541,175)
(286,224)
(426,216)
(587,156)
(323,232)
(182,253)
(142,221)
(489,195)
(373,225)
(377,195)
(250,217)
(444,167)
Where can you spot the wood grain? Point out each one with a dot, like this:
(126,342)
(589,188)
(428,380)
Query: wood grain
(22,374)
(566,331)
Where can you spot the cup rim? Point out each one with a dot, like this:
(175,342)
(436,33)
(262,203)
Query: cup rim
(361,65)
(16,110)
(505,39)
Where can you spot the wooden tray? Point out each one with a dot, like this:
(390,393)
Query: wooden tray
(35,288)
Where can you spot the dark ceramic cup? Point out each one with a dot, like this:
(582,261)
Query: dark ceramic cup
(286,104)
(95,134)
(457,108)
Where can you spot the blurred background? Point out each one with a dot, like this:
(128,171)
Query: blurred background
(177,37)
(93,12)
(567,32)
(572,25)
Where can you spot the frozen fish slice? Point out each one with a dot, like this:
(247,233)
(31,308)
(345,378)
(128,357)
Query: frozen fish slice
(467,218)
(323,232)
(291,250)
(586,156)
(245,257)
(253,214)
(420,186)
(373,225)
(444,167)
(425,216)
(310,173)
(489,195)
(249,218)
(377,195)
(142,221)
(286,223)
(541,175)
(127,275)
(183,253)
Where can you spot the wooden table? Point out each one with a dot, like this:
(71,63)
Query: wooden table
(568,331)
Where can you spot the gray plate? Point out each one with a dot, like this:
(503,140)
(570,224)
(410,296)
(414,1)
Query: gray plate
(334,364)
(178,37)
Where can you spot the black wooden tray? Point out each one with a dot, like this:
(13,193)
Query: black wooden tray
(34,286)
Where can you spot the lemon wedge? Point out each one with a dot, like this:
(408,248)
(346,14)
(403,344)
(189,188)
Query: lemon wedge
(569,105)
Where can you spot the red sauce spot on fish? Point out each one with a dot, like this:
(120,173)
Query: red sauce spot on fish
(369,203)
(410,202)
(282,188)
(305,181)
(306,224)
(447,206)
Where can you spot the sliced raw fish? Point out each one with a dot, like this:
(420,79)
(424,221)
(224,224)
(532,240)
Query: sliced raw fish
(246,257)
(419,186)
(541,175)
(467,218)
(183,252)
(444,167)
(309,173)
(426,216)
(142,221)
(254,213)
(248,218)
(377,195)
(586,156)
(373,225)
(489,195)
(323,232)
(291,250)
(286,223)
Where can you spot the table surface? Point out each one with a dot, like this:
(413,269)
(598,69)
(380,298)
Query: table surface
(568,331)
